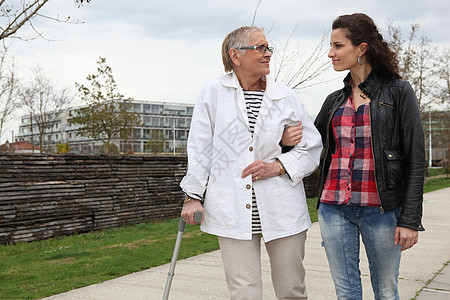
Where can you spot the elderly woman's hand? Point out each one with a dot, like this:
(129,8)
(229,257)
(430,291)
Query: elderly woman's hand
(292,135)
(189,209)
(261,170)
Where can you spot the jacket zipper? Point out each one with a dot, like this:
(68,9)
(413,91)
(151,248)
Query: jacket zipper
(371,145)
(388,105)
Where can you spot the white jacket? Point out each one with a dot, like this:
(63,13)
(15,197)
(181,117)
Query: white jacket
(220,146)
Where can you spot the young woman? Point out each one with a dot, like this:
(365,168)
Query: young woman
(373,163)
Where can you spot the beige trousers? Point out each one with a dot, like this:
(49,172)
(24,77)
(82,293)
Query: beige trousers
(242,264)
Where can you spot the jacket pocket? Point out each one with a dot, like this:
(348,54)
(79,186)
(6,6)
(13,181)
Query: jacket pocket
(394,166)
(220,208)
(286,206)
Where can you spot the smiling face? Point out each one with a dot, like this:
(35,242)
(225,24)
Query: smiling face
(343,54)
(254,63)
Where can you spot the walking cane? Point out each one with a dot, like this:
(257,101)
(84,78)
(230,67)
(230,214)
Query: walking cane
(181,226)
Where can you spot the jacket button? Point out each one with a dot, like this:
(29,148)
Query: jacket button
(248,186)
(250,148)
(390,155)
(248,206)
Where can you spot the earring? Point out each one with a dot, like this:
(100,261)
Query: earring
(360,61)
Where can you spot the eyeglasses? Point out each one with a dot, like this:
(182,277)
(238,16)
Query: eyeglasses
(260,48)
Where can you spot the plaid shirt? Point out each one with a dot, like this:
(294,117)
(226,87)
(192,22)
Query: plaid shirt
(351,176)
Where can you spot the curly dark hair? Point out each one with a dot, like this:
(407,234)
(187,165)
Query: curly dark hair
(360,28)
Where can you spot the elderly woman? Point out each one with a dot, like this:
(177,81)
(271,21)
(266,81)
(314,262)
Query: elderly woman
(236,169)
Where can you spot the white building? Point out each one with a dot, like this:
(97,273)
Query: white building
(164,129)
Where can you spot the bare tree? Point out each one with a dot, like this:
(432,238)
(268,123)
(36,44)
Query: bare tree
(14,16)
(423,81)
(405,49)
(43,103)
(256,10)
(8,90)
(416,57)
(442,76)
(293,66)
(297,69)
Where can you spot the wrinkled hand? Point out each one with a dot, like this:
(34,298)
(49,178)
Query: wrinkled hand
(261,170)
(189,209)
(406,237)
(292,135)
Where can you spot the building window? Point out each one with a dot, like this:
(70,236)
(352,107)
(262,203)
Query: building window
(137,133)
(180,135)
(147,120)
(147,133)
(157,109)
(147,108)
(168,134)
(156,121)
(170,122)
(181,122)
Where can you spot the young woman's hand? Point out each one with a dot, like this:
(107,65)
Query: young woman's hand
(292,135)
(406,237)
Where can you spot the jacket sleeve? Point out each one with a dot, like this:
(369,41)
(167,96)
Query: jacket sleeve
(413,146)
(303,159)
(321,121)
(199,147)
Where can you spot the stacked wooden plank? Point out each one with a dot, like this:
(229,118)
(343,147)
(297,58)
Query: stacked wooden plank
(43,196)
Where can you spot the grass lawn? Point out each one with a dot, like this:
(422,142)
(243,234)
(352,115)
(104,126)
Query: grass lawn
(436,184)
(436,171)
(43,268)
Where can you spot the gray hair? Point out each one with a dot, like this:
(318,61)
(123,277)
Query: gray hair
(237,38)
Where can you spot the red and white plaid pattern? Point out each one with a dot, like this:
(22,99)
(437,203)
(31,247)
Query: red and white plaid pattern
(351,176)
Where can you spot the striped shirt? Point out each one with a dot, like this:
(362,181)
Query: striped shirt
(351,176)
(253,100)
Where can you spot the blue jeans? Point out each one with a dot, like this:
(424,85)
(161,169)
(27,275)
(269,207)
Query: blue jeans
(340,226)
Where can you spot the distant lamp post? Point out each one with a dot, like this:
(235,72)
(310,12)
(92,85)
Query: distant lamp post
(173,140)
(430,156)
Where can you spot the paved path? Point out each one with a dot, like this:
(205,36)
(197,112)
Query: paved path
(202,276)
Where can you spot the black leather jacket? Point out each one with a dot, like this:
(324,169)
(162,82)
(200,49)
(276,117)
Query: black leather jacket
(397,143)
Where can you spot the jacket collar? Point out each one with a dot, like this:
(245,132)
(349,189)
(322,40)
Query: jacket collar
(368,86)
(273,90)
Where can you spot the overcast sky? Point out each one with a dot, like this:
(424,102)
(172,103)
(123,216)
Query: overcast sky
(166,50)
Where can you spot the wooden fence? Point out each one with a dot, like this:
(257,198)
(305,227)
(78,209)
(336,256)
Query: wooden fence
(43,196)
